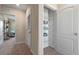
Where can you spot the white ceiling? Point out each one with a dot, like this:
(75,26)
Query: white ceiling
(21,6)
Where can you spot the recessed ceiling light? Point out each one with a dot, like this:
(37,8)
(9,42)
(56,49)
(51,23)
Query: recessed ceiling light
(17,4)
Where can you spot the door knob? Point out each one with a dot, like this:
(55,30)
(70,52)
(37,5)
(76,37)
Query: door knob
(75,34)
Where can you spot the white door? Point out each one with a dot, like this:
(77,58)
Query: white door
(1,32)
(67,42)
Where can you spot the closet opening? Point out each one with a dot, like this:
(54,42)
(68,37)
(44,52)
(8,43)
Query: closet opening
(49,31)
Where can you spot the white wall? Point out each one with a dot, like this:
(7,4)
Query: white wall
(37,22)
(34,10)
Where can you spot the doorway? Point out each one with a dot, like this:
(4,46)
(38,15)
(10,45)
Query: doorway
(8,27)
(49,31)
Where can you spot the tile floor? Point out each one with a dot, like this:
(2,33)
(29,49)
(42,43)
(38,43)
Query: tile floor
(50,51)
(10,48)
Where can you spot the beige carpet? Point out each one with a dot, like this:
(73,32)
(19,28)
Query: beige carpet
(10,48)
(50,51)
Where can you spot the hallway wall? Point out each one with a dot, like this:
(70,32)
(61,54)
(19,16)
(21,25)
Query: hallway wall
(35,41)
(37,28)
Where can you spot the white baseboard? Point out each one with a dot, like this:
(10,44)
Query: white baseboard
(29,47)
(19,42)
(32,52)
(52,46)
(26,44)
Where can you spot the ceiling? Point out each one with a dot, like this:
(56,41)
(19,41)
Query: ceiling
(21,6)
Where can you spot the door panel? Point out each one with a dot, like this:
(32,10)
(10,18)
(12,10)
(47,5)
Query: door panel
(66,37)
(66,17)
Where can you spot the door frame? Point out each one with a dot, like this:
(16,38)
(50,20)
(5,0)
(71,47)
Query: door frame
(2,31)
(29,16)
(52,9)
